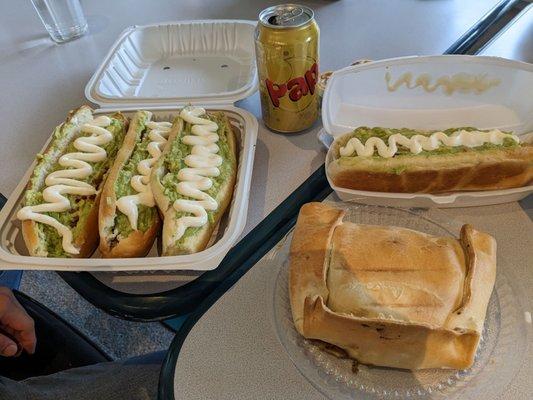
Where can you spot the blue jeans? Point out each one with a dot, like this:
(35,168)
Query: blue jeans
(11,279)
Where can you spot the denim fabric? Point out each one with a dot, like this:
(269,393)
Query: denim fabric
(11,279)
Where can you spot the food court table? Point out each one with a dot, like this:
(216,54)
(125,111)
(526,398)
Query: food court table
(41,80)
(232,350)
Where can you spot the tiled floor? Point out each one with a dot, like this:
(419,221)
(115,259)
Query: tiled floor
(117,337)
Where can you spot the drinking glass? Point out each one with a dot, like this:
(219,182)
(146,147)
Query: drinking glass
(63,19)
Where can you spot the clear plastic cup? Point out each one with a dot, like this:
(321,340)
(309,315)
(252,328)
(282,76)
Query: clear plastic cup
(63,19)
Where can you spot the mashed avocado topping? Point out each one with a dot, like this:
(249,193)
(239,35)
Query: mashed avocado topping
(174,161)
(365,133)
(77,216)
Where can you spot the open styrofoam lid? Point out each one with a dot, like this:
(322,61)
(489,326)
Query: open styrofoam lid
(485,92)
(207,62)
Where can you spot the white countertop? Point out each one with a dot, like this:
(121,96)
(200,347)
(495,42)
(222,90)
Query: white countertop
(41,81)
(232,353)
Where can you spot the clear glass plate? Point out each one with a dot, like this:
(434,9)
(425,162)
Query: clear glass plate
(500,354)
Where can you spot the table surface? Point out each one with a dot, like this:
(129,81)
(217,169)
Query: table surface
(41,81)
(233,351)
(242,357)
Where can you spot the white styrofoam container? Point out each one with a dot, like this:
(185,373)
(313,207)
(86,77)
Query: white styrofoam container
(210,64)
(358,96)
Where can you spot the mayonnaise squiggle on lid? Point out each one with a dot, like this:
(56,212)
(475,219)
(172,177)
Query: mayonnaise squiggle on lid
(141,183)
(69,181)
(461,82)
(202,164)
(418,143)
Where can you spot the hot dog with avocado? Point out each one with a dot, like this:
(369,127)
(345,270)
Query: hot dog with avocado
(411,161)
(129,221)
(60,207)
(194,178)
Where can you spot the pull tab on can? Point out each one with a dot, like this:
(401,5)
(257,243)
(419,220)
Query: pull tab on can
(287,16)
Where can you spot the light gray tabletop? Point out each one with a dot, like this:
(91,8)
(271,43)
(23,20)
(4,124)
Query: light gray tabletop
(243,358)
(233,352)
(41,81)
(222,358)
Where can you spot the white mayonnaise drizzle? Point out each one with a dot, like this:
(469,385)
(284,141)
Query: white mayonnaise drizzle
(141,183)
(461,82)
(202,163)
(69,181)
(418,143)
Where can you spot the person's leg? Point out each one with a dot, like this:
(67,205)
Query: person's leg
(133,379)
(156,357)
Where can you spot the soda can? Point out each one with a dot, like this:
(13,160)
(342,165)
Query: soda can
(286,43)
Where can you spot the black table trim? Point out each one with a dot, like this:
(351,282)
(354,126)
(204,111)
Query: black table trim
(185,299)
(488,27)
(288,211)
